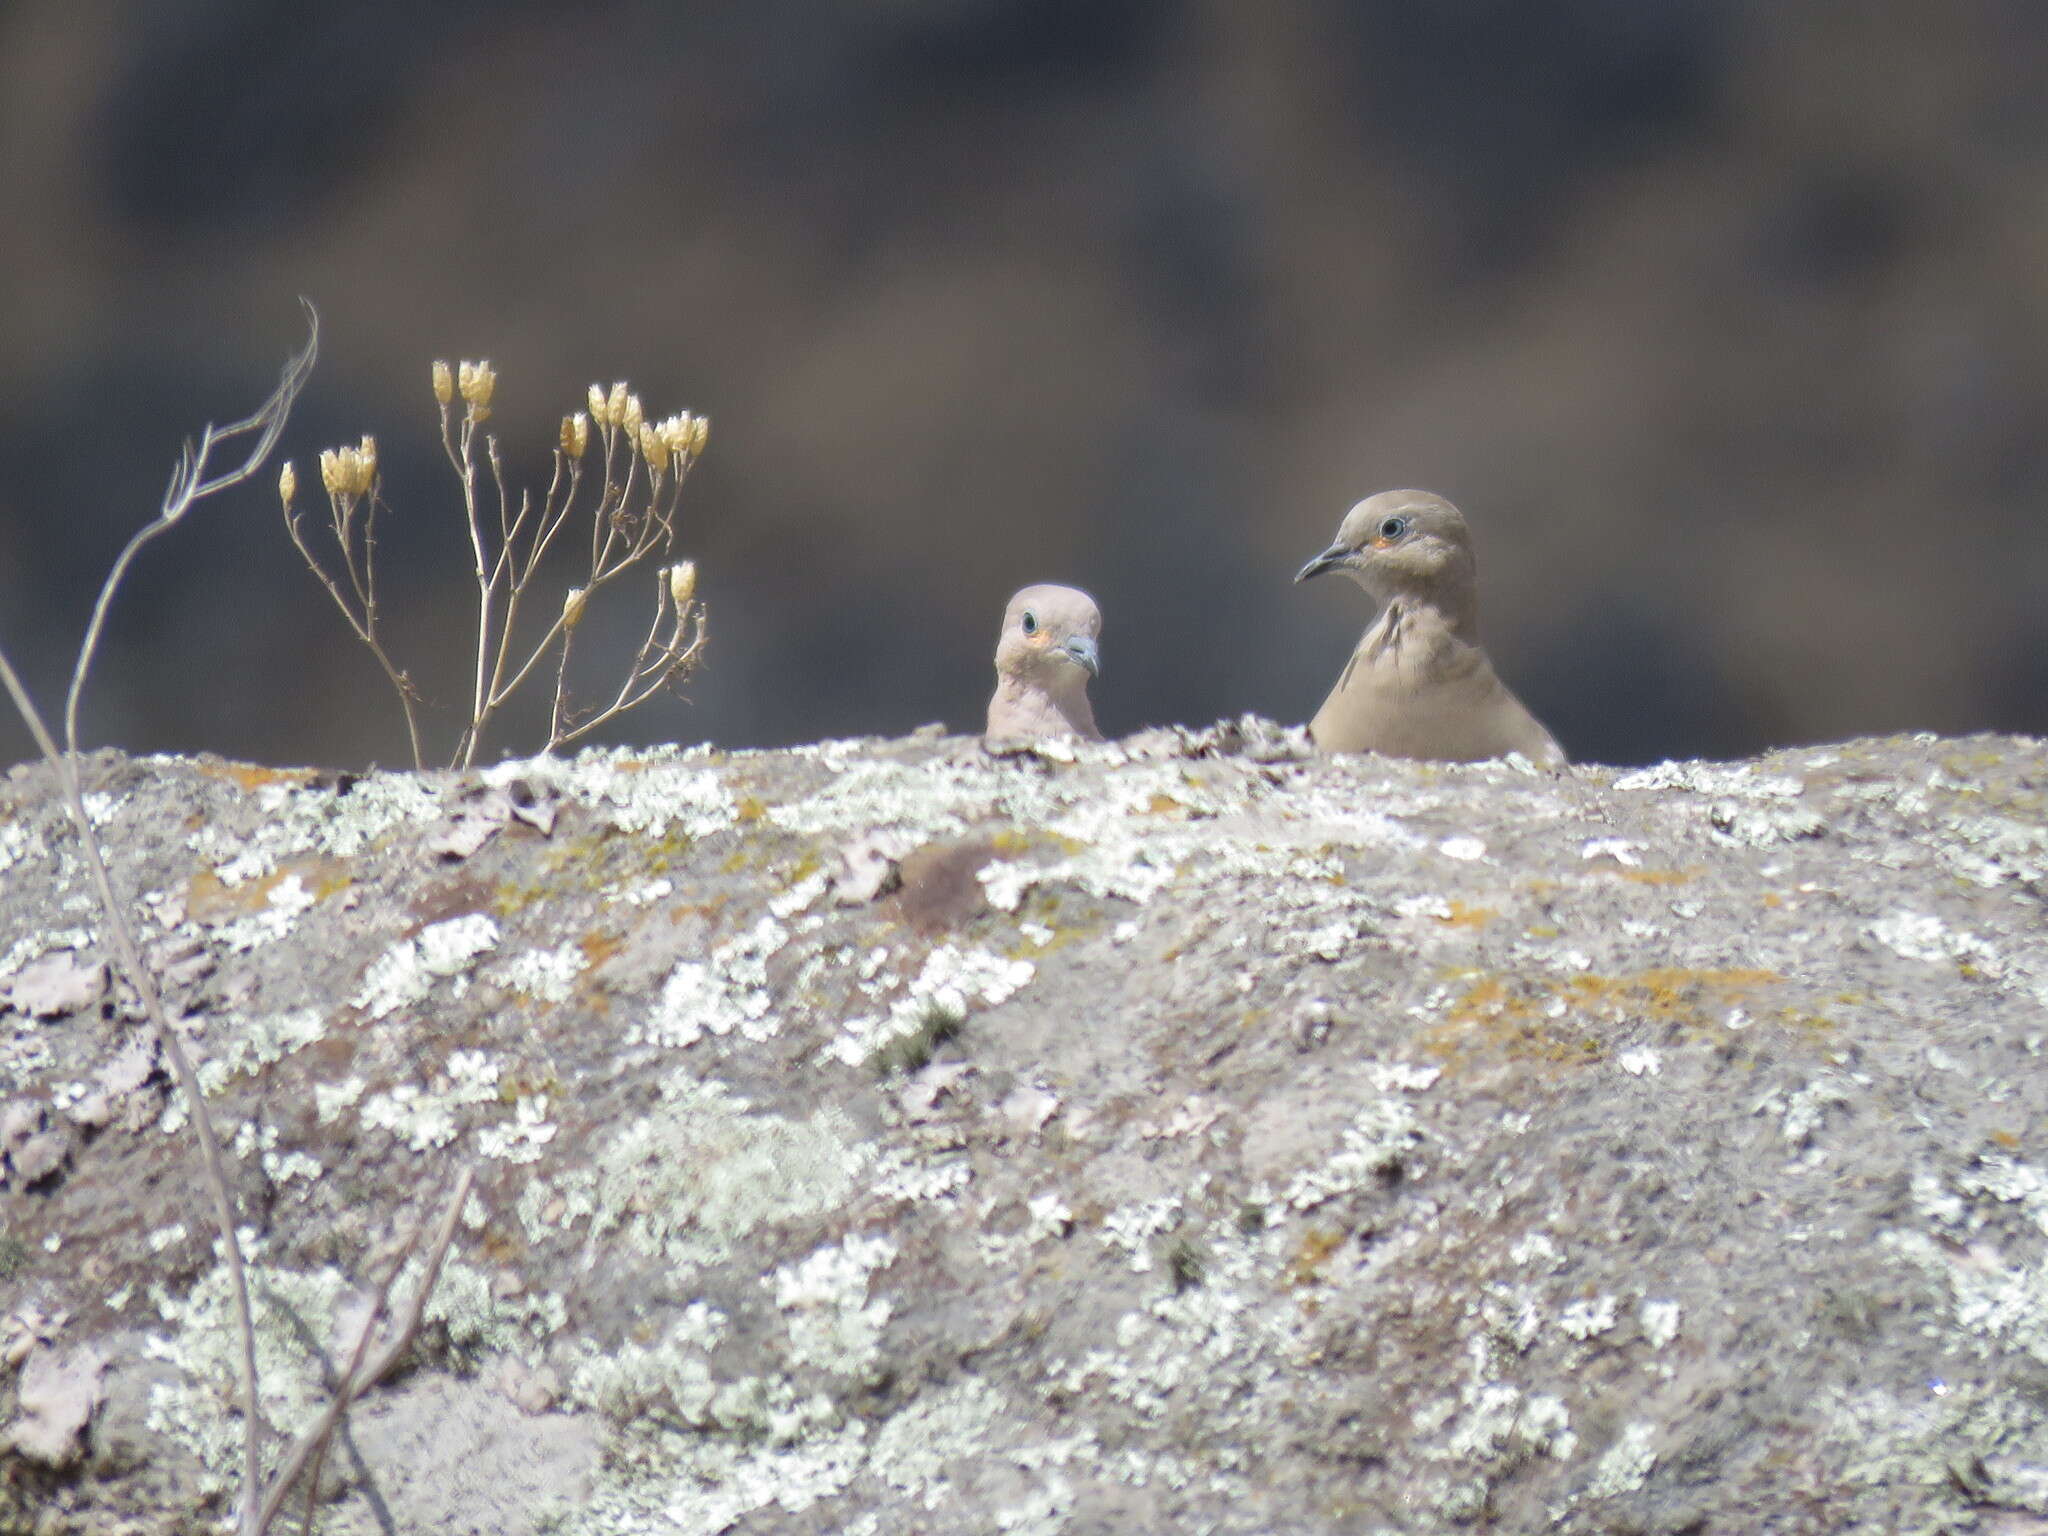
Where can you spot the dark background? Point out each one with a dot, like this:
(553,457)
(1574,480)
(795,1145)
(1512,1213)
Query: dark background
(1724,323)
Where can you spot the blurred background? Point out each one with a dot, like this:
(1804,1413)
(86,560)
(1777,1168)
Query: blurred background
(1726,324)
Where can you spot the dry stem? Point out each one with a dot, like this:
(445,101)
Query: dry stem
(632,522)
(621,536)
(190,483)
(364,1370)
(362,577)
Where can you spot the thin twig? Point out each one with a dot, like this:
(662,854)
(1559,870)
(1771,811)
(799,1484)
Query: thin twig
(666,669)
(561,704)
(364,1373)
(188,485)
(129,952)
(486,583)
(363,581)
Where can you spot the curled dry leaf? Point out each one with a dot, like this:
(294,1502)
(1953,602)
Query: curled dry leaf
(57,984)
(59,1393)
(867,866)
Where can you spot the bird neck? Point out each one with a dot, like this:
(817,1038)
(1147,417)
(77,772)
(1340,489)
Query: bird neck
(1446,610)
(1061,704)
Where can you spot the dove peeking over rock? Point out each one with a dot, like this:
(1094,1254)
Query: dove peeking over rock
(1419,684)
(1044,658)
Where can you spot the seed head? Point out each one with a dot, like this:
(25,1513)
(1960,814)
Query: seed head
(615,404)
(597,410)
(572,606)
(682,584)
(674,434)
(477,382)
(700,433)
(653,448)
(287,484)
(632,418)
(346,472)
(575,435)
(444,383)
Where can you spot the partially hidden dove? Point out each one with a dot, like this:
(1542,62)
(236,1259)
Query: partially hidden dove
(1044,658)
(1419,684)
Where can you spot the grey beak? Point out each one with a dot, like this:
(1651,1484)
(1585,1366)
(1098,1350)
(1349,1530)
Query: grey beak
(1334,558)
(1082,649)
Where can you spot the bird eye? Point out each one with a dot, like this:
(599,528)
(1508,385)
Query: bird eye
(1393,528)
(1030,622)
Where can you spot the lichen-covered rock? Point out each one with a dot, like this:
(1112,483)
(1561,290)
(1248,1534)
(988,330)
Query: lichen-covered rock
(1176,1134)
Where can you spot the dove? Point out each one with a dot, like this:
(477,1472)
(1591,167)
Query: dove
(1419,684)
(1044,658)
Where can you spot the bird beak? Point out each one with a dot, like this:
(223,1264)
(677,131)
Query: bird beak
(1082,649)
(1335,558)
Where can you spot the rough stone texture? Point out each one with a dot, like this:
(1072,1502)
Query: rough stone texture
(1186,1136)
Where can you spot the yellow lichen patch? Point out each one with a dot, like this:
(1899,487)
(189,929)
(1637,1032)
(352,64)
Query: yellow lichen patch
(253,776)
(1794,1018)
(734,862)
(599,947)
(1959,767)
(1659,876)
(2005,1139)
(323,877)
(751,808)
(593,864)
(665,851)
(1668,994)
(1567,1020)
(1062,936)
(1012,841)
(512,898)
(209,900)
(1165,805)
(1304,1265)
(514,1085)
(1462,916)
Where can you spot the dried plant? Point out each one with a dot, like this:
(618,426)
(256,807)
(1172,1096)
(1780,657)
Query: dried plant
(193,481)
(631,510)
(190,484)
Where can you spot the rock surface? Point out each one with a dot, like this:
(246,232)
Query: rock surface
(1180,1134)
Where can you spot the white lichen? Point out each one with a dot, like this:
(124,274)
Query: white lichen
(1659,1322)
(703,1170)
(545,975)
(404,973)
(1625,1465)
(1377,1141)
(953,979)
(833,1325)
(1921,936)
(1587,1317)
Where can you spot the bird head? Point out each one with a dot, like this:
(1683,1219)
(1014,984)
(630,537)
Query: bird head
(1402,544)
(1050,637)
